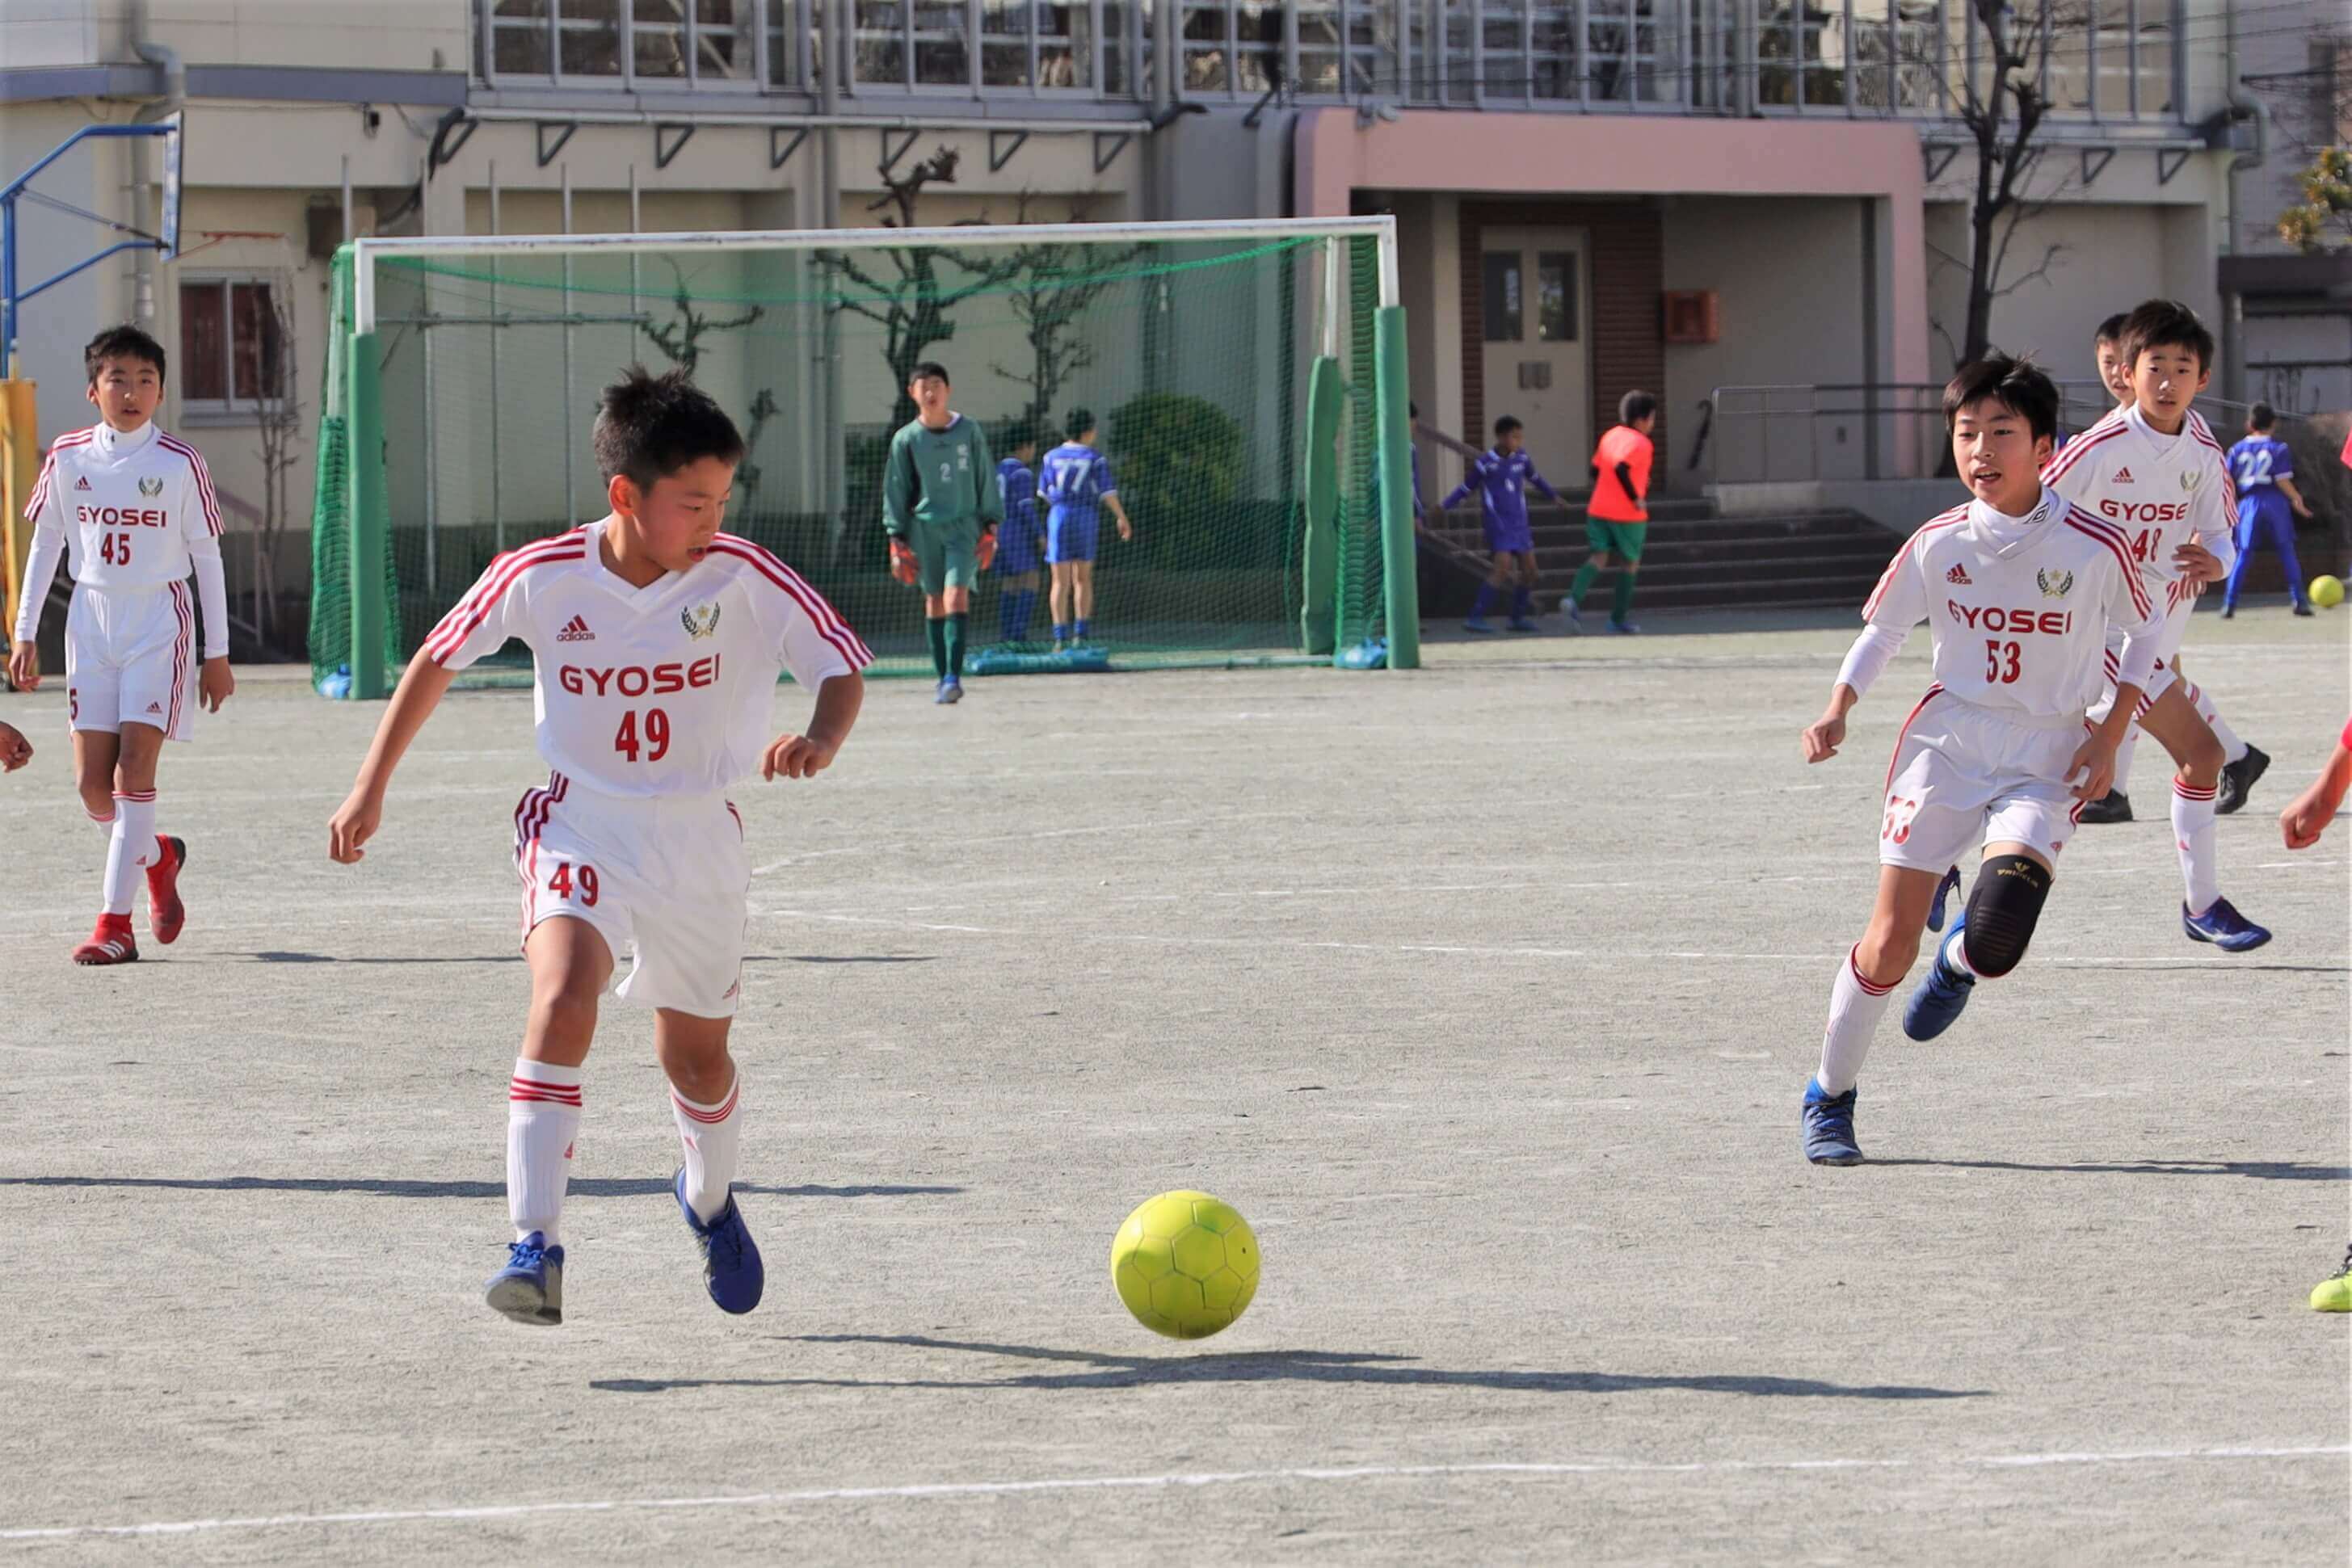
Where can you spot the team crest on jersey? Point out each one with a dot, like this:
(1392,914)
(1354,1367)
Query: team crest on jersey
(699,619)
(2190,479)
(2057,587)
(151,486)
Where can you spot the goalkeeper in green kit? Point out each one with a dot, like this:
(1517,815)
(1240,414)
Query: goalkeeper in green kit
(942,505)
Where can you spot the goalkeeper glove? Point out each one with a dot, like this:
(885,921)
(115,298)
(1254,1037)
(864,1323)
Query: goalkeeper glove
(902,560)
(987,548)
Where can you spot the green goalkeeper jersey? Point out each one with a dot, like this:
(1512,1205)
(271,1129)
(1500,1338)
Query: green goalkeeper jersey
(940,481)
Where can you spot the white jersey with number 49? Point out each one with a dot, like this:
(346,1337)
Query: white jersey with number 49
(660,690)
(2160,490)
(2019,607)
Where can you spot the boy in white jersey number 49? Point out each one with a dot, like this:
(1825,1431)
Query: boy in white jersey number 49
(2153,469)
(2019,590)
(657,641)
(136,507)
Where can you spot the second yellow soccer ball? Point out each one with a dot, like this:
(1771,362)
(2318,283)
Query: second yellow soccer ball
(1186,1264)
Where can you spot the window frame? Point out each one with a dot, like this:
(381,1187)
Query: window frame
(231,409)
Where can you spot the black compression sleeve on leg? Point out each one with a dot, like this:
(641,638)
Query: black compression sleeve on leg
(2003,908)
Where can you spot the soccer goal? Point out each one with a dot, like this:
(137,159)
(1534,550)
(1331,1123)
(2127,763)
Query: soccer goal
(1247,380)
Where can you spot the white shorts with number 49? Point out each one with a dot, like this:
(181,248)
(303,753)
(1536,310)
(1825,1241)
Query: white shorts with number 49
(1964,777)
(666,880)
(131,658)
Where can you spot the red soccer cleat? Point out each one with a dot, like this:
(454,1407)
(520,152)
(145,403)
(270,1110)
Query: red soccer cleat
(165,913)
(110,944)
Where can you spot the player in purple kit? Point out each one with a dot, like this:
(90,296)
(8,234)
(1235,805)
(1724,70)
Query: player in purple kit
(2268,504)
(1502,477)
(1021,542)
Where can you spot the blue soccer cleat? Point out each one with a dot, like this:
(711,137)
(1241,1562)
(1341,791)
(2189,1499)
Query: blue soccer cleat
(1625,628)
(1944,890)
(950,690)
(1521,623)
(1940,997)
(730,1260)
(2225,927)
(530,1288)
(1828,1121)
(1477,623)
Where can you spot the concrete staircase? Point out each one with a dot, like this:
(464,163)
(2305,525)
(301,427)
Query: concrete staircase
(1692,557)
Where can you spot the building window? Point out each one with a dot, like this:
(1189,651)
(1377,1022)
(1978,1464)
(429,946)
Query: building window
(232,349)
(1500,296)
(620,43)
(1556,297)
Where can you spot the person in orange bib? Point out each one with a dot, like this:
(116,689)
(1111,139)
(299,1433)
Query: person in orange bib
(1618,516)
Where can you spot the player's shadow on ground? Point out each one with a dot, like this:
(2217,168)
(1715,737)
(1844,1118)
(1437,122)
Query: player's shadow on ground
(1274,1366)
(391,1186)
(2253,1170)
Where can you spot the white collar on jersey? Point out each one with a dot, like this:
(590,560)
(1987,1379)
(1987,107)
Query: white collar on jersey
(114,443)
(2161,442)
(2007,535)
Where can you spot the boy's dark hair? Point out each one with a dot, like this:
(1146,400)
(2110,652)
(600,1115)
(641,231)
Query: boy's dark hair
(2019,385)
(2111,331)
(649,426)
(930,371)
(1506,424)
(1080,421)
(2166,324)
(1020,435)
(2262,416)
(1636,405)
(124,342)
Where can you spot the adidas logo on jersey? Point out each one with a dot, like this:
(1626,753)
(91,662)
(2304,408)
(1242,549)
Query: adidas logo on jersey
(2122,477)
(1960,574)
(155,707)
(576,630)
(82,483)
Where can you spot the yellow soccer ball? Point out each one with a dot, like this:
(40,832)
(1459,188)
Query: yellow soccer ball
(2327,592)
(1186,1264)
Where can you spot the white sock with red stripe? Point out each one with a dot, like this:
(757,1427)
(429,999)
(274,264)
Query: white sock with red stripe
(543,1121)
(1856,1005)
(2233,748)
(132,847)
(2192,831)
(712,1135)
(2122,785)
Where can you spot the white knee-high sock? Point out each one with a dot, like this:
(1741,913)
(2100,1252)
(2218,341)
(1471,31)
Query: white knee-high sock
(2192,831)
(543,1121)
(1856,1005)
(2122,785)
(712,1135)
(131,850)
(2232,748)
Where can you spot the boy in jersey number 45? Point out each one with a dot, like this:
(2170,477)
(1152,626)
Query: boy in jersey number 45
(2153,469)
(2019,590)
(657,640)
(137,506)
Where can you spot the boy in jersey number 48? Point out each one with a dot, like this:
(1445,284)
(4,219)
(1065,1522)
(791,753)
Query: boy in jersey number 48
(2153,469)
(137,507)
(657,640)
(2019,590)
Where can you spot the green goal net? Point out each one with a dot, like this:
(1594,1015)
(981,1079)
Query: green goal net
(1236,374)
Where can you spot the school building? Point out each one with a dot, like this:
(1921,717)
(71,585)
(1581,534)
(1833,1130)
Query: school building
(1758,208)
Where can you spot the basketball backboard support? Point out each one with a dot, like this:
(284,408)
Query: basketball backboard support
(12,294)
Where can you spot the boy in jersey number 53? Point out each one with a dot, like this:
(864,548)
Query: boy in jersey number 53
(657,640)
(2018,589)
(137,506)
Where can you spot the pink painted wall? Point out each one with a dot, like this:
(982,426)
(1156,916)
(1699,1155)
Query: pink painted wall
(1485,151)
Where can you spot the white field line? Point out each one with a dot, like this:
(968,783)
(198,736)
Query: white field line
(920,1492)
